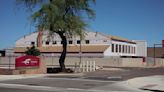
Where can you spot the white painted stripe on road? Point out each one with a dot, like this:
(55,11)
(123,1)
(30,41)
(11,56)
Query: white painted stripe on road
(46,88)
(80,79)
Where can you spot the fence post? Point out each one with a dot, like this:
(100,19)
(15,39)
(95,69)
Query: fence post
(94,65)
(83,65)
(75,70)
(80,68)
(87,66)
(90,66)
(9,62)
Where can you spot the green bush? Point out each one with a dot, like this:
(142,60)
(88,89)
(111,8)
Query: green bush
(32,51)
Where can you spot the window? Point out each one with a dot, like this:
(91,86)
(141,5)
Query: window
(129,49)
(123,50)
(70,41)
(119,48)
(126,49)
(112,47)
(116,47)
(134,50)
(78,42)
(105,40)
(32,43)
(87,41)
(47,42)
(54,42)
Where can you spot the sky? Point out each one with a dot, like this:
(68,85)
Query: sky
(131,19)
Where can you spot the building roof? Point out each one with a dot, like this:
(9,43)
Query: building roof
(116,38)
(75,48)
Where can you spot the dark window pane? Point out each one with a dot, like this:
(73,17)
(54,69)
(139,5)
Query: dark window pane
(116,48)
(54,42)
(123,50)
(32,43)
(112,47)
(129,49)
(70,41)
(87,41)
(126,49)
(78,41)
(119,48)
(47,42)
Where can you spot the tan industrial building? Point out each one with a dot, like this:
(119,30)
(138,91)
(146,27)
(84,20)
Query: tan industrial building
(94,44)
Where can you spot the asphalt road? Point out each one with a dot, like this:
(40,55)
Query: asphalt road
(99,81)
(19,90)
(59,82)
(46,84)
(127,73)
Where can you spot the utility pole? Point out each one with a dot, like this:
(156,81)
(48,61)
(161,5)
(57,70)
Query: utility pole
(155,51)
(154,54)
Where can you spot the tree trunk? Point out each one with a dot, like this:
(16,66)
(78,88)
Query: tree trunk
(63,54)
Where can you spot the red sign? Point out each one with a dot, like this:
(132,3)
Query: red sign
(27,61)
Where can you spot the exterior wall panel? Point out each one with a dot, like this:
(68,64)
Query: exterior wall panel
(141,49)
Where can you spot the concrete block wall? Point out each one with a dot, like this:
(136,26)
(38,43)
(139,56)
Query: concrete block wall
(159,62)
(132,62)
(102,62)
(70,61)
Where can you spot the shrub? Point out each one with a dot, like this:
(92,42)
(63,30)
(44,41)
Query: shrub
(32,51)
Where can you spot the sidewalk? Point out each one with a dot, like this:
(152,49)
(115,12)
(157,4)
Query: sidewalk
(23,76)
(148,83)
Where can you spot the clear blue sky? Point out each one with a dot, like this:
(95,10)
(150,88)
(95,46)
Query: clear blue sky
(132,19)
